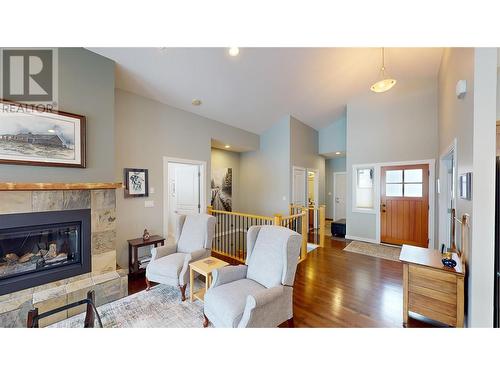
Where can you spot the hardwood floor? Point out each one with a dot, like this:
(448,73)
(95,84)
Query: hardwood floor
(336,288)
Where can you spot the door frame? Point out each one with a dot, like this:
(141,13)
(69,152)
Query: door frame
(335,174)
(432,190)
(316,193)
(444,223)
(296,168)
(203,188)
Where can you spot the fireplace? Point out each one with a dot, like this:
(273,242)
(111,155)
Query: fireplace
(40,247)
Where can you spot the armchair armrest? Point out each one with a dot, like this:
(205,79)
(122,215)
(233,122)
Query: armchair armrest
(259,309)
(162,251)
(263,297)
(228,274)
(195,255)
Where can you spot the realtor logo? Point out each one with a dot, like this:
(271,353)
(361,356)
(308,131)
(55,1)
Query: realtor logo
(29,75)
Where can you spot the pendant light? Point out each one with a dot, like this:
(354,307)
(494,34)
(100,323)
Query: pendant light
(384,83)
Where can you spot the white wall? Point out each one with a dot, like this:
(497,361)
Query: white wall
(332,138)
(221,159)
(264,174)
(145,132)
(471,121)
(399,125)
(304,151)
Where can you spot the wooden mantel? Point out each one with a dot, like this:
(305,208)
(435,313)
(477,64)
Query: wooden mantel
(10,186)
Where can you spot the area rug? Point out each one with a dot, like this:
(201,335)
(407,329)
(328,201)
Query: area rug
(160,307)
(374,250)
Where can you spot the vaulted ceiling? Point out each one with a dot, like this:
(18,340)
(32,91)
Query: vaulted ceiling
(258,87)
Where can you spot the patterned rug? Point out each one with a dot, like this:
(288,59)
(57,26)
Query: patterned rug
(160,307)
(374,250)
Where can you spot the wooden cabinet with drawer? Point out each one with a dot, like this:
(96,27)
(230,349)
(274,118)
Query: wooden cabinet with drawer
(431,289)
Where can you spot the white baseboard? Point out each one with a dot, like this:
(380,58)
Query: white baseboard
(354,238)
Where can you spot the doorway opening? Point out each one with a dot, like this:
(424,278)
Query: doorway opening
(313,197)
(339,195)
(404,205)
(447,193)
(184,182)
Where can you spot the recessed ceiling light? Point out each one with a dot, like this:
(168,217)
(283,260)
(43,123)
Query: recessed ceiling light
(196,102)
(227,146)
(52,131)
(234,51)
(338,153)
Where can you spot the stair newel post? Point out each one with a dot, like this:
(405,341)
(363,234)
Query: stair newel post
(303,248)
(277,219)
(322,225)
(209,210)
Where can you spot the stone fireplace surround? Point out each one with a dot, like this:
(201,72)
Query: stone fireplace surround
(108,282)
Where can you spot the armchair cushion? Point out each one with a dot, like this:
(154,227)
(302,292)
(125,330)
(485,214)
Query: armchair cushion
(168,266)
(226,303)
(197,233)
(265,262)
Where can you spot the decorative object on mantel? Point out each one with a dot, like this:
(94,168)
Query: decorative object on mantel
(146,235)
(136,182)
(35,186)
(42,138)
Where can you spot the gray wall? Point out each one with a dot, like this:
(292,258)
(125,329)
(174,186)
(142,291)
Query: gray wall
(399,125)
(265,174)
(304,151)
(221,159)
(146,131)
(331,166)
(86,87)
(332,138)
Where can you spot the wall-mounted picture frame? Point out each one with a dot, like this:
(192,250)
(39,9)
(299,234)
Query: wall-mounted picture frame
(465,186)
(49,138)
(136,183)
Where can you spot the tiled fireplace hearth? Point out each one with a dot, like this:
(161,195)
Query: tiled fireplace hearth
(40,249)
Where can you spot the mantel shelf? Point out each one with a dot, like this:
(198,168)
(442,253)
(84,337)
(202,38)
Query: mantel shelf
(25,186)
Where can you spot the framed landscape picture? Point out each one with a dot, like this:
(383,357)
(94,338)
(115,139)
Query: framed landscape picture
(41,138)
(136,182)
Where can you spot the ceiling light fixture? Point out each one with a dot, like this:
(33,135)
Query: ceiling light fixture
(234,51)
(338,153)
(196,102)
(227,146)
(384,83)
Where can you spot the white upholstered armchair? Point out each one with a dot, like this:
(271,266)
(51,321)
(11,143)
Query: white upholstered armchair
(259,293)
(170,264)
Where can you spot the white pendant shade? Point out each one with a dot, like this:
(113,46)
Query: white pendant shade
(384,83)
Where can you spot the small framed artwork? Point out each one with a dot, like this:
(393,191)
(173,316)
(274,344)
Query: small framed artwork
(465,186)
(136,183)
(30,136)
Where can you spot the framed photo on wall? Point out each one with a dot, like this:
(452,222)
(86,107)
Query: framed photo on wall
(30,136)
(136,183)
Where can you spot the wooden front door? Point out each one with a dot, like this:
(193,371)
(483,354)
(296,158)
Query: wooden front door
(404,205)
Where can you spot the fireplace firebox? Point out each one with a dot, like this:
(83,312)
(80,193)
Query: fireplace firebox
(40,247)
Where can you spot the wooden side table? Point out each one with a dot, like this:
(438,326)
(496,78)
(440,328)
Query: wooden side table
(203,267)
(133,260)
(431,289)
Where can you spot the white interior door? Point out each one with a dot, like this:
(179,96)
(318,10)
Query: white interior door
(299,186)
(339,180)
(184,191)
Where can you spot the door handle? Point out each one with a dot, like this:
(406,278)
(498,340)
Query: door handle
(382,207)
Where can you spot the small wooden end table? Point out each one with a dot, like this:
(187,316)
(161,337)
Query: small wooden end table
(203,267)
(133,260)
(431,289)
